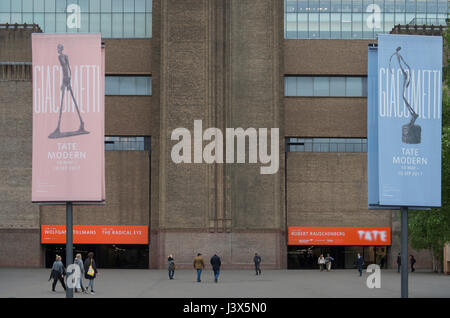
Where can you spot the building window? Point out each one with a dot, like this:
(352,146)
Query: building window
(326,144)
(135,143)
(357,19)
(128,85)
(113,18)
(325,86)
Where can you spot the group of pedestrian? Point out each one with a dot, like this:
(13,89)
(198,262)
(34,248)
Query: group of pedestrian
(216,263)
(88,268)
(199,266)
(325,262)
(412,261)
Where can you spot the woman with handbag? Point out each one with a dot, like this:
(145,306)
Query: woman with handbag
(90,271)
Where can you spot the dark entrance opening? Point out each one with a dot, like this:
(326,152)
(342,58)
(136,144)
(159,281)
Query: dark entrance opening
(106,256)
(306,257)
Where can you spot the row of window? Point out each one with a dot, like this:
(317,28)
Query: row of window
(413,6)
(298,86)
(142,143)
(294,86)
(351,25)
(358,19)
(326,144)
(325,86)
(113,18)
(127,143)
(118,6)
(128,85)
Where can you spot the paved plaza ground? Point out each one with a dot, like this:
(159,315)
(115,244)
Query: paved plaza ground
(25,283)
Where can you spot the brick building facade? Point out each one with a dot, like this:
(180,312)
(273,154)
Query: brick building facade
(222,62)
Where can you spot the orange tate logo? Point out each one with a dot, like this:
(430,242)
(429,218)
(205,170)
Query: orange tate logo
(372,235)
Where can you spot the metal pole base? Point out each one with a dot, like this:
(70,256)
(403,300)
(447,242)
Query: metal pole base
(404,252)
(69,244)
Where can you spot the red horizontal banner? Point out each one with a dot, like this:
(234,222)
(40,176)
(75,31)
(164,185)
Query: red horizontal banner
(304,235)
(96,234)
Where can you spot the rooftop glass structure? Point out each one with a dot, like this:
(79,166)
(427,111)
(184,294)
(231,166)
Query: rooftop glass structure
(357,19)
(113,18)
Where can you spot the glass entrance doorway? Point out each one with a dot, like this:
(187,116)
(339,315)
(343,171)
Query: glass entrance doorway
(305,257)
(106,256)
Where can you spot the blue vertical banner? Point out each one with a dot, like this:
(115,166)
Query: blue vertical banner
(409,100)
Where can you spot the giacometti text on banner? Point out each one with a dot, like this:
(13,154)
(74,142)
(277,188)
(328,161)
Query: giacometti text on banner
(68,118)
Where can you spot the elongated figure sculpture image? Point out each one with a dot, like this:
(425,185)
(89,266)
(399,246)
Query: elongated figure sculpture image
(66,86)
(411,133)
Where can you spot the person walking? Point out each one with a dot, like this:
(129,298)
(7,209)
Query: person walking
(171,267)
(382,261)
(360,263)
(257,261)
(328,261)
(215,262)
(412,261)
(199,265)
(399,262)
(90,271)
(78,261)
(57,273)
(321,262)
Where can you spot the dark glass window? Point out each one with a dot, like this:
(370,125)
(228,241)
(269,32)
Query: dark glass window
(127,143)
(326,144)
(325,86)
(128,85)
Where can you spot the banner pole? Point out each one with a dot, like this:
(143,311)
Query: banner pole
(404,252)
(69,246)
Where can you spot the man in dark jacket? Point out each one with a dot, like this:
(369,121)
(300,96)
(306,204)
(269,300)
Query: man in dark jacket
(360,263)
(215,262)
(58,272)
(257,261)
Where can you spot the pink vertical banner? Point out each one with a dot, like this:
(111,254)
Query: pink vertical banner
(68,118)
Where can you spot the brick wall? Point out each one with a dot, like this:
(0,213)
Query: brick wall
(21,248)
